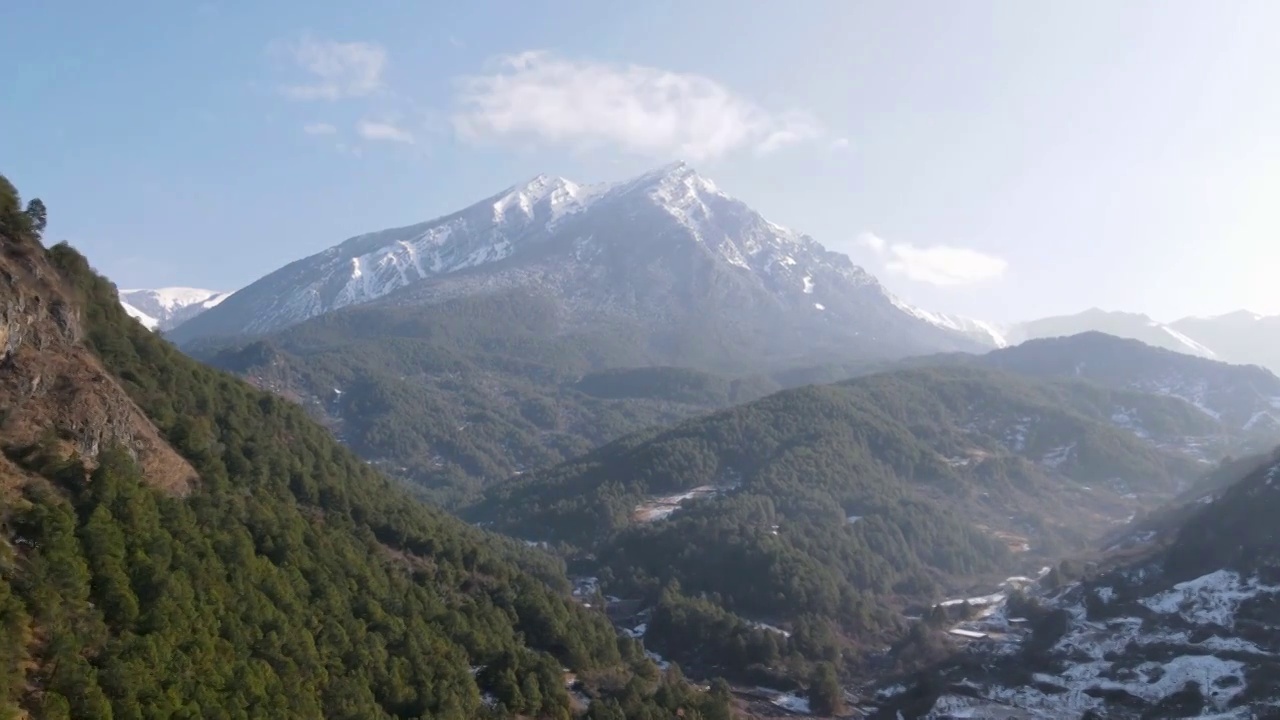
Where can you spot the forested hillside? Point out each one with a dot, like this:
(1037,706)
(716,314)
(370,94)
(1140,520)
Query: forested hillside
(456,396)
(817,509)
(1244,400)
(285,579)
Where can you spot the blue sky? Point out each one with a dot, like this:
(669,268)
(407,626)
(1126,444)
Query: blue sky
(1003,160)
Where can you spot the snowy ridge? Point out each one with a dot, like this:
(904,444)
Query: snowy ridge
(175,298)
(665,248)
(1193,347)
(165,308)
(978,329)
(147,321)
(484,234)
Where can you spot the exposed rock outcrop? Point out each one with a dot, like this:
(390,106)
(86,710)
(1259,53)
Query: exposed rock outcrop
(53,388)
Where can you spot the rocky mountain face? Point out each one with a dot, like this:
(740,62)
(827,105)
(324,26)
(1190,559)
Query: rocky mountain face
(55,394)
(167,308)
(1190,628)
(667,256)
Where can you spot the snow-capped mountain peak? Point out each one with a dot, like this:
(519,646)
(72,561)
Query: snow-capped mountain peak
(168,307)
(544,197)
(663,247)
(984,332)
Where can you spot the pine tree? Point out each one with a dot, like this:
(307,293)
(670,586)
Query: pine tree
(37,214)
(825,694)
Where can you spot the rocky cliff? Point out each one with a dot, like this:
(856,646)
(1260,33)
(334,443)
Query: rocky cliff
(54,393)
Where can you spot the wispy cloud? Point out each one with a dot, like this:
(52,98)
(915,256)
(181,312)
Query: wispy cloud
(840,143)
(943,265)
(351,150)
(383,130)
(319,129)
(539,96)
(338,70)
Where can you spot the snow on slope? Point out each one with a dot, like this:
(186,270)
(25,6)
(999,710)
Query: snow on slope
(1186,635)
(984,332)
(147,321)
(666,244)
(1193,347)
(165,308)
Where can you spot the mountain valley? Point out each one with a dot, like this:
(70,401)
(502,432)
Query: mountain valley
(629,421)
(829,513)
(639,361)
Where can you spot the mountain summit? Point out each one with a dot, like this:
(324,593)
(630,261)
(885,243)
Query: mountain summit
(166,308)
(666,255)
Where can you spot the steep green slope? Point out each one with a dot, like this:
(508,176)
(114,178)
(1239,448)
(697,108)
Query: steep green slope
(946,430)
(455,396)
(1242,400)
(821,505)
(290,581)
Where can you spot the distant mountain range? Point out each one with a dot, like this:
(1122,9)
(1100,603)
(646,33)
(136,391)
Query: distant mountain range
(1244,399)
(167,308)
(553,317)
(667,257)
(1240,337)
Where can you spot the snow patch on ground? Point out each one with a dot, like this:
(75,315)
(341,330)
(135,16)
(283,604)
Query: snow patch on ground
(980,601)
(1209,600)
(1097,657)
(662,506)
(1262,417)
(1056,457)
(793,703)
(769,628)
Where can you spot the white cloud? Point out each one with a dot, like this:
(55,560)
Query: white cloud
(795,128)
(936,264)
(319,129)
(339,69)
(539,96)
(388,131)
(840,143)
